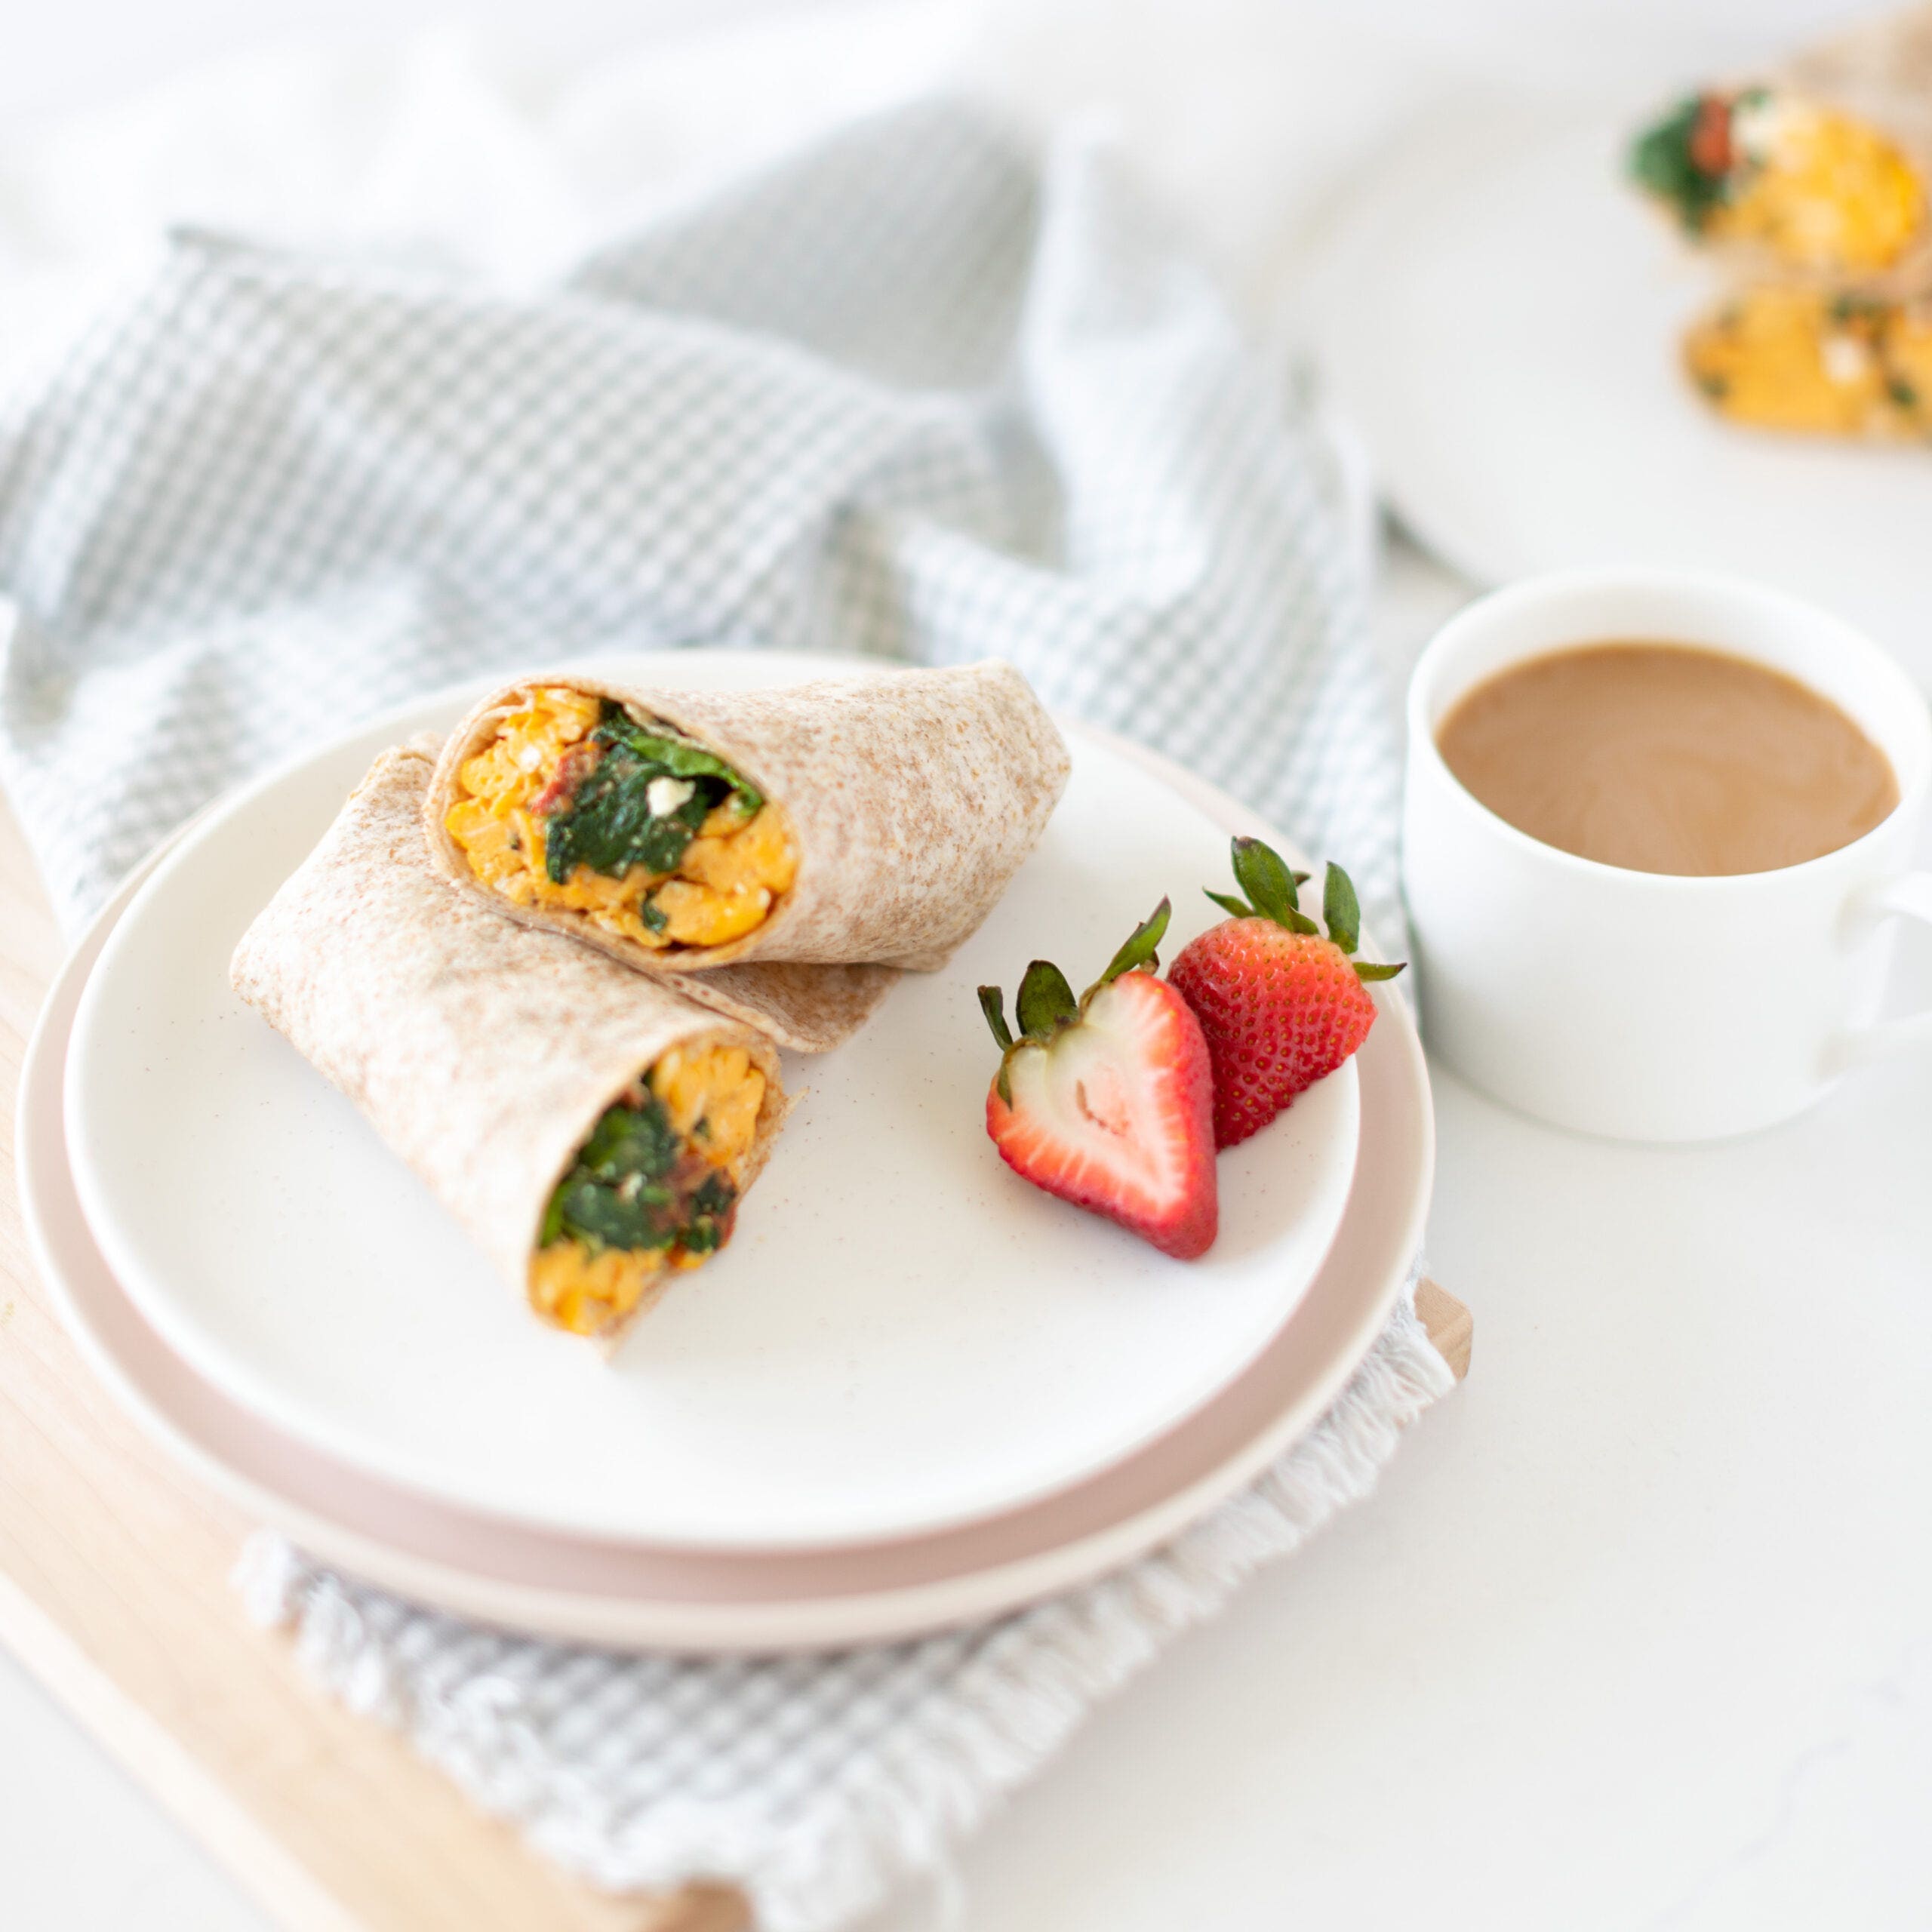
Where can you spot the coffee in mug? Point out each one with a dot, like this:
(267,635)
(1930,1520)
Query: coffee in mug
(1667,758)
(1658,828)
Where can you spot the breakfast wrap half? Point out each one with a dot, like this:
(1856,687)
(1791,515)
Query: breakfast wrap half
(1811,186)
(874,818)
(1819,169)
(592,1131)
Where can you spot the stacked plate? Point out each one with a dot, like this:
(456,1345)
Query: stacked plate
(1497,303)
(914,1392)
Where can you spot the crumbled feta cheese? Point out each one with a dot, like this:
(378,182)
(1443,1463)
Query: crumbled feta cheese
(1845,358)
(664,795)
(1758,127)
(529,757)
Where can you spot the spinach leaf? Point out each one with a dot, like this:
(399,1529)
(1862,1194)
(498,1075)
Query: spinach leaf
(623,1190)
(607,824)
(630,1140)
(703,1236)
(1662,160)
(714,1194)
(678,756)
(709,1225)
(602,1215)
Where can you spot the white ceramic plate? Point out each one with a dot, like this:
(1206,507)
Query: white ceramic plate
(627,1594)
(1499,315)
(902,1336)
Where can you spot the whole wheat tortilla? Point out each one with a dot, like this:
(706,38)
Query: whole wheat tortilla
(913,797)
(482,1052)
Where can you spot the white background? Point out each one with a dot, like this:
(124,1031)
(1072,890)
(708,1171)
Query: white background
(1638,1631)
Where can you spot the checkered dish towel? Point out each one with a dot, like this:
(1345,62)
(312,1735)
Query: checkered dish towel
(913,391)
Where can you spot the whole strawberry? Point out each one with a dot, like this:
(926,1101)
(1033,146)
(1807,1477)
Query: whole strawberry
(1280,1005)
(1107,1101)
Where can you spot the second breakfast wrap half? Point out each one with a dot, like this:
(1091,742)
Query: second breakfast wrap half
(1819,169)
(591,1130)
(1811,186)
(876,818)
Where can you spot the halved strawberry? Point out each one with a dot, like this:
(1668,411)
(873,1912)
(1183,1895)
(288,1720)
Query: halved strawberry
(1107,1103)
(1280,1005)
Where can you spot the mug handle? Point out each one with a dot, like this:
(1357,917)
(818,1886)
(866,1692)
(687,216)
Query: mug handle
(1909,897)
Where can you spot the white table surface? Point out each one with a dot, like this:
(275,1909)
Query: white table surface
(1638,1632)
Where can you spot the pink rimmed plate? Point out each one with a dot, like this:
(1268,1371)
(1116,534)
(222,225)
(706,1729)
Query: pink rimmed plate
(901,1337)
(612,1592)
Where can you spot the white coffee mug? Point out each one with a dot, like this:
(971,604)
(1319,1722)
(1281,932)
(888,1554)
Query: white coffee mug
(1640,1005)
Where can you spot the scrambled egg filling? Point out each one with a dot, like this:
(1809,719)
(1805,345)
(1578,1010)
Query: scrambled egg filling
(1780,358)
(711,1097)
(1822,192)
(725,884)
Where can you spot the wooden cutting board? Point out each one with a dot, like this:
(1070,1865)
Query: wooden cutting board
(115,1592)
